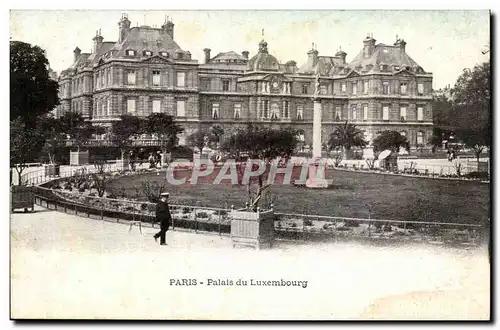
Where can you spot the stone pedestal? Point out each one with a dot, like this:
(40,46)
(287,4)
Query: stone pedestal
(316,176)
(164,159)
(255,229)
(78,157)
(123,164)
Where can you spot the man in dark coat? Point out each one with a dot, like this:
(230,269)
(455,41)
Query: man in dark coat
(163,217)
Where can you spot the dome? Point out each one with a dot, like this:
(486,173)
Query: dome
(263,61)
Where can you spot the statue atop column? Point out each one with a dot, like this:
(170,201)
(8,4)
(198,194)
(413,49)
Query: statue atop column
(316,86)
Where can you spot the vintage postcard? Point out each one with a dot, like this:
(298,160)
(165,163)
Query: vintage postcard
(250,165)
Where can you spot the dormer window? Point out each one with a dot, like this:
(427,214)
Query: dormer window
(180,56)
(396,67)
(147,53)
(164,54)
(130,52)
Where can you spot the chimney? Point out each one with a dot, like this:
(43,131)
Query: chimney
(207,54)
(124,26)
(245,54)
(401,44)
(312,55)
(76,54)
(168,27)
(342,55)
(369,46)
(98,39)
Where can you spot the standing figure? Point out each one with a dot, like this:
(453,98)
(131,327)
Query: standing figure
(151,160)
(158,158)
(316,86)
(163,217)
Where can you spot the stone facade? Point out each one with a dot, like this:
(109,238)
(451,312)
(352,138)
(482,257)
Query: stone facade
(146,71)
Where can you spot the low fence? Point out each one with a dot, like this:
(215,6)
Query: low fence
(217,220)
(287,226)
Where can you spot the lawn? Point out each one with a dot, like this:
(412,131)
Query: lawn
(350,195)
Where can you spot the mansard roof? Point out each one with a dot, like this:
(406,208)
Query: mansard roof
(145,38)
(228,57)
(392,56)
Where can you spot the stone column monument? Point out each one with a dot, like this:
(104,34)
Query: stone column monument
(316,177)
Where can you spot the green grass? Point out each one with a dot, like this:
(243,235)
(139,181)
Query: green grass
(350,195)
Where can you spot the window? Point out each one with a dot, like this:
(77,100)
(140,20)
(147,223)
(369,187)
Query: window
(354,113)
(403,88)
(215,110)
(131,78)
(385,87)
(420,137)
(304,89)
(338,113)
(396,67)
(343,88)
(181,76)
(237,110)
(354,88)
(322,90)
(420,89)
(109,107)
(181,110)
(103,108)
(147,53)
(130,52)
(300,112)
(365,111)
(102,78)
(385,112)
(109,77)
(420,113)
(265,87)
(225,85)
(301,136)
(365,86)
(131,106)
(156,106)
(286,109)
(156,77)
(402,113)
(265,109)
(286,88)
(164,54)
(275,111)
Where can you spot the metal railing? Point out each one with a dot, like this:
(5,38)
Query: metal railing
(217,220)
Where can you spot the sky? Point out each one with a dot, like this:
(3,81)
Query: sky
(442,42)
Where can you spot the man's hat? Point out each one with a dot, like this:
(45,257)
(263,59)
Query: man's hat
(165,194)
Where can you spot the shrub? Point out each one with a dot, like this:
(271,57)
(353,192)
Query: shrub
(477,175)
(202,215)
(308,222)
(351,223)
(186,210)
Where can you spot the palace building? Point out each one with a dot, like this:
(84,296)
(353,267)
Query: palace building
(145,71)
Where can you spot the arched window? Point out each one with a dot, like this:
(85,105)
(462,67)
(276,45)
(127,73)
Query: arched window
(420,137)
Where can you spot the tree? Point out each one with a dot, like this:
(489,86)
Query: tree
(345,137)
(390,140)
(25,144)
(124,130)
(32,92)
(55,137)
(198,139)
(442,111)
(260,143)
(472,105)
(79,130)
(165,129)
(215,136)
